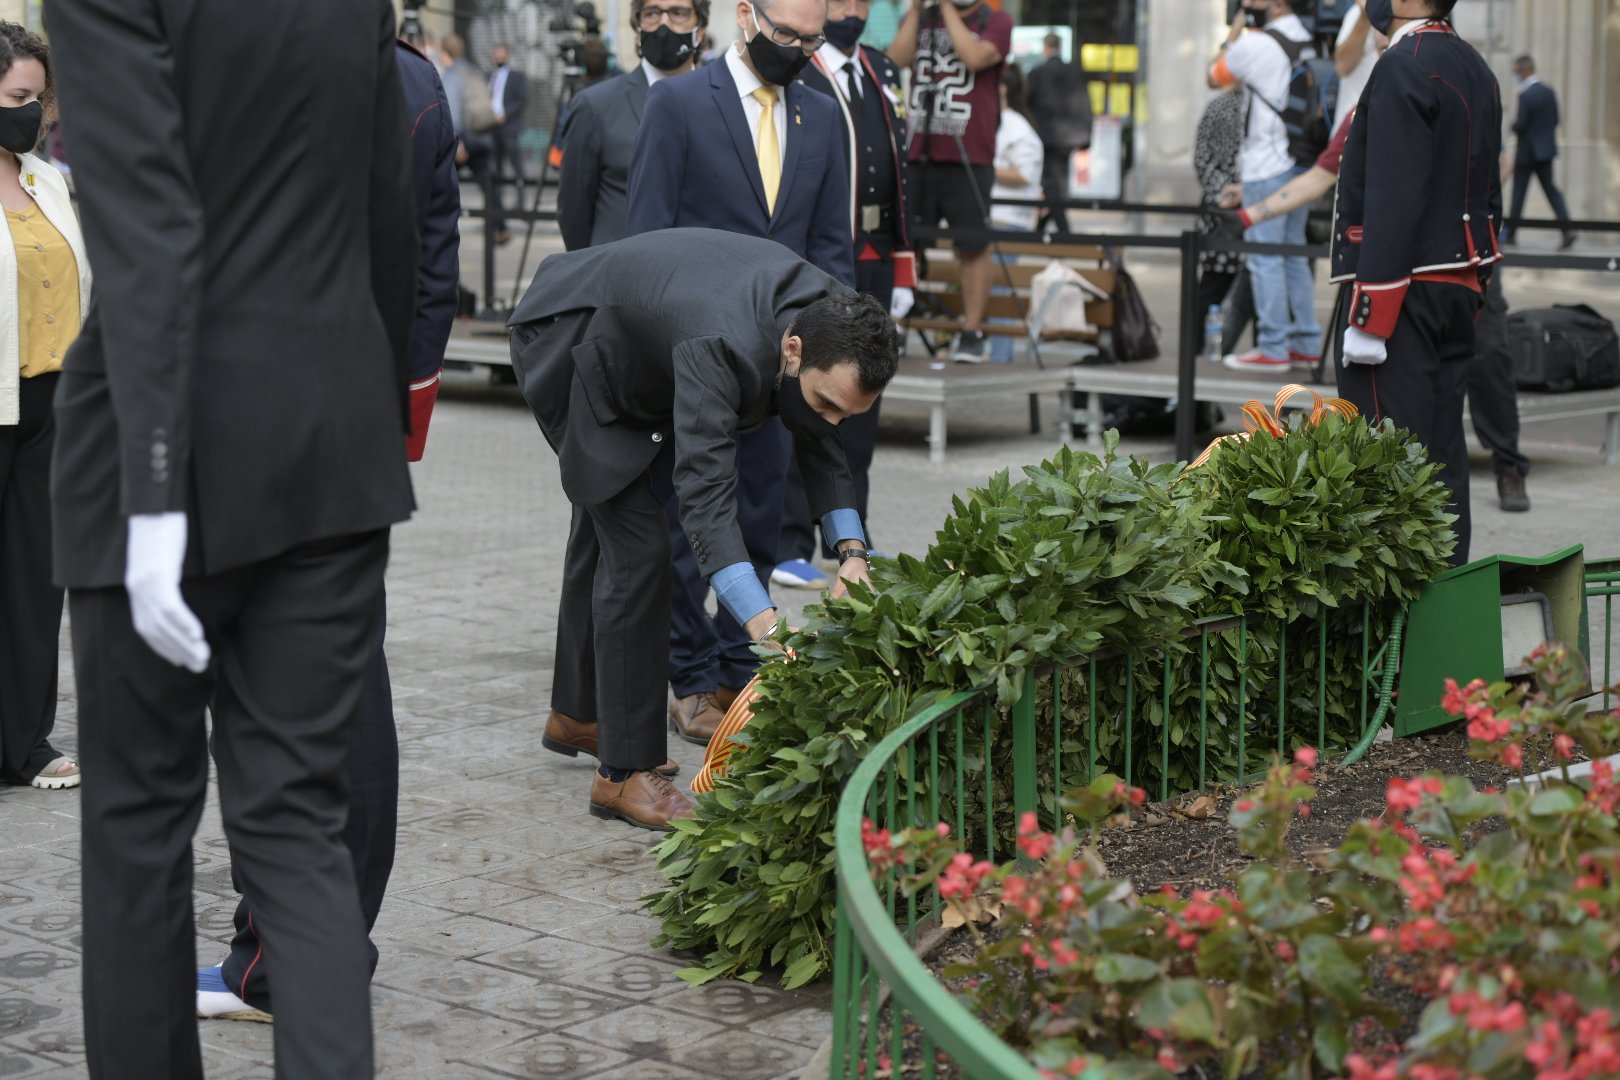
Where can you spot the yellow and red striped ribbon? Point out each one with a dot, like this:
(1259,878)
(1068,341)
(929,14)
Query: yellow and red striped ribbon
(720,744)
(1256,417)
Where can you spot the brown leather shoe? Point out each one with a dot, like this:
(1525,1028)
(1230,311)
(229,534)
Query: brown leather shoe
(695,717)
(723,697)
(644,799)
(569,737)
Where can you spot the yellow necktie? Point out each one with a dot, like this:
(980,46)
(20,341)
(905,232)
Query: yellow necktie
(770,153)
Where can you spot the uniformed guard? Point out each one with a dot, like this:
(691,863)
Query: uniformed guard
(871,106)
(1419,205)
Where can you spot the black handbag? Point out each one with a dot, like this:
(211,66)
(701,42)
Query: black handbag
(1136,334)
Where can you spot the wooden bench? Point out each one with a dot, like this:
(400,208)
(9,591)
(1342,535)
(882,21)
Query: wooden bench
(938,315)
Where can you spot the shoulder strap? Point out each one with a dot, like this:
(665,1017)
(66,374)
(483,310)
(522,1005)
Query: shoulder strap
(1290,47)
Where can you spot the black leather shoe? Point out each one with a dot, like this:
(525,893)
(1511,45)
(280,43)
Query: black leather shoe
(1510,491)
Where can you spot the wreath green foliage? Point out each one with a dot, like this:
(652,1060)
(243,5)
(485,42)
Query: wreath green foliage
(1081,556)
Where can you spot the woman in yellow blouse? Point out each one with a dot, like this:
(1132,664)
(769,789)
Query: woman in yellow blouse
(44,290)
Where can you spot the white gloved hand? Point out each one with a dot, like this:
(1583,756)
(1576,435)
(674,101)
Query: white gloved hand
(900,302)
(1361,347)
(153,558)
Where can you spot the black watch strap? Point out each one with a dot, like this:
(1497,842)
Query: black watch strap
(853,553)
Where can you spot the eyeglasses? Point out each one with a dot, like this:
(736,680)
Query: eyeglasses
(782,35)
(680,18)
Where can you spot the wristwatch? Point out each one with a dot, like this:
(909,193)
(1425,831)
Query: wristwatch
(853,553)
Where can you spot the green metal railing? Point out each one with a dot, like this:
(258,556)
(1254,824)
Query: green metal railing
(1603,582)
(977,767)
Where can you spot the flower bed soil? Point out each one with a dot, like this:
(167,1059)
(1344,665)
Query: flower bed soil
(1162,846)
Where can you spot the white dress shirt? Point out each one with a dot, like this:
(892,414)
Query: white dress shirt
(747,82)
(652,73)
(497,91)
(833,58)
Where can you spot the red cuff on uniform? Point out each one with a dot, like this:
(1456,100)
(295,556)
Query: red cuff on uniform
(1245,220)
(905,270)
(1375,306)
(422,396)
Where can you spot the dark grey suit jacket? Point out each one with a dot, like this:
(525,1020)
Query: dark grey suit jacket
(244,356)
(1536,125)
(676,335)
(598,145)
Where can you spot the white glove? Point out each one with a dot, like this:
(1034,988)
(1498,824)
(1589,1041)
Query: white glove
(156,550)
(900,302)
(1361,347)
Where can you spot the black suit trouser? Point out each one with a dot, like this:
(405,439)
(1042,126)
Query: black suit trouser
(613,622)
(706,650)
(1493,397)
(30,606)
(875,278)
(1055,186)
(369,834)
(292,637)
(1422,385)
(1542,171)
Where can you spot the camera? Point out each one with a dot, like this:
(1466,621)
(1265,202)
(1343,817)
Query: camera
(582,22)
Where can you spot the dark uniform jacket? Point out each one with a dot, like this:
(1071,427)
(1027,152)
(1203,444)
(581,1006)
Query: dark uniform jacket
(244,358)
(696,166)
(1536,125)
(1419,189)
(599,142)
(890,233)
(437,194)
(683,343)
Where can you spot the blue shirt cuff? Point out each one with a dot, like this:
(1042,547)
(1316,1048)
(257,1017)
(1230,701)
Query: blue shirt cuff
(839,525)
(738,588)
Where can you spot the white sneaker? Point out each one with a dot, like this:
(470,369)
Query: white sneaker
(216,1002)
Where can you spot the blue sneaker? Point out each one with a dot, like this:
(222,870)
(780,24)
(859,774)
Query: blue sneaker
(215,1001)
(798,574)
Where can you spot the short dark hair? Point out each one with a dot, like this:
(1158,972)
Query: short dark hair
(1525,60)
(1441,9)
(849,328)
(1051,41)
(21,43)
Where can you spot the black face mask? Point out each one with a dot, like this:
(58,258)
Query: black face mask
(666,49)
(1381,14)
(796,413)
(779,64)
(845,33)
(19,127)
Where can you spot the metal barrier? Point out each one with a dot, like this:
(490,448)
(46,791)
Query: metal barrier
(978,768)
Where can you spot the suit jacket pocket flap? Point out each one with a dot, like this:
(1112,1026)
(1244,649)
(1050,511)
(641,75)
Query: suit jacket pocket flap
(590,363)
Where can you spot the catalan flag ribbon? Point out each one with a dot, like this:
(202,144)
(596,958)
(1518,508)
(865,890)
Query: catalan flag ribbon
(1256,417)
(720,744)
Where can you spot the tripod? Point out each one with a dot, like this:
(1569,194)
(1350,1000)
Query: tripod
(572,76)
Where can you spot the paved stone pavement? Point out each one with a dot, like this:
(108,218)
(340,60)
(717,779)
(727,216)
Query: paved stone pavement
(511,942)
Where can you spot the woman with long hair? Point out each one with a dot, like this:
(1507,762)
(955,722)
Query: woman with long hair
(44,291)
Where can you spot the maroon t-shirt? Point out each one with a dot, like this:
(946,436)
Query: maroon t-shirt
(963,102)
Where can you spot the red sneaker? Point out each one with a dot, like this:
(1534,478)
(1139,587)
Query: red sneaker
(1255,360)
(1304,360)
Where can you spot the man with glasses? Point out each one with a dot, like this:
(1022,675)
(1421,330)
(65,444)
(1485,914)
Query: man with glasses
(741,146)
(593,184)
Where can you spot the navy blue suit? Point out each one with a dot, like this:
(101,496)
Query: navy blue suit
(696,166)
(1536,125)
(374,754)
(683,176)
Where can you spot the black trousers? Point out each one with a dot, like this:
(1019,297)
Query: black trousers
(613,623)
(1542,171)
(1055,188)
(1493,397)
(30,606)
(369,834)
(1422,385)
(875,278)
(706,650)
(508,152)
(292,637)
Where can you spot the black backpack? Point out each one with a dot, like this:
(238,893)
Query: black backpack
(1313,96)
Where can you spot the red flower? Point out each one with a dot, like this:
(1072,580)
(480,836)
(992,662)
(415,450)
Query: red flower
(1513,756)
(1564,746)
(1403,795)
(1305,756)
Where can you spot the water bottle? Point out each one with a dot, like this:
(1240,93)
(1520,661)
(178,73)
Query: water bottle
(1214,326)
